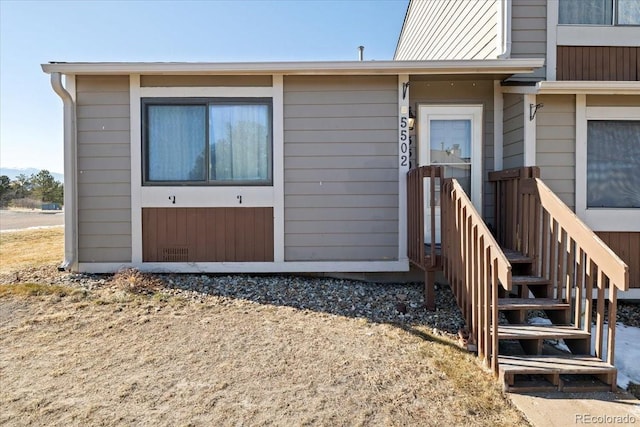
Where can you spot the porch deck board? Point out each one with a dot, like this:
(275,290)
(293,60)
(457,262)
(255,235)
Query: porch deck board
(526,332)
(531,304)
(545,364)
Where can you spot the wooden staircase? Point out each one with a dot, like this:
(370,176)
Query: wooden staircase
(540,260)
(530,363)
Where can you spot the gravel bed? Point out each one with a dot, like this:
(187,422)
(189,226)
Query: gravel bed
(398,303)
(401,303)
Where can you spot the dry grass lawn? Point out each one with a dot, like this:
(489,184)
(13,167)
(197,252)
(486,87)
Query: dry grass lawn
(31,248)
(113,357)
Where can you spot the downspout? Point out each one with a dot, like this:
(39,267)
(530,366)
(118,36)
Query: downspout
(504,18)
(70,230)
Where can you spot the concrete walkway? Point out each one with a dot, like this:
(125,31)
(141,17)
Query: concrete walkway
(574,409)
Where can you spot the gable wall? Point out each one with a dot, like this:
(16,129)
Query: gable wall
(449,29)
(104,169)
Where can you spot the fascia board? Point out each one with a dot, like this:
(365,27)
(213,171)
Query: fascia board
(588,87)
(504,66)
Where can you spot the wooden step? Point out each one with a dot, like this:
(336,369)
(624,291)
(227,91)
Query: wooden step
(529,280)
(563,373)
(531,304)
(515,257)
(540,332)
(532,337)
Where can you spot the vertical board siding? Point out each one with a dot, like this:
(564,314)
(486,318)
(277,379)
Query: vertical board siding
(513,131)
(601,63)
(449,29)
(627,246)
(104,169)
(556,145)
(207,234)
(463,92)
(341,168)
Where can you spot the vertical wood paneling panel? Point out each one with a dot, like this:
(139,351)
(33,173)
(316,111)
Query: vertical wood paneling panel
(207,234)
(627,246)
(600,63)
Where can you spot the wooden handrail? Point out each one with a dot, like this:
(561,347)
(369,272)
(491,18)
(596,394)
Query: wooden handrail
(475,267)
(533,220)
(607,260)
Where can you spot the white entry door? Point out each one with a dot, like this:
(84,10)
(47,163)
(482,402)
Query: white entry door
(451,136)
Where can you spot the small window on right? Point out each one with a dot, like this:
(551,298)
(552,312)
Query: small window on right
(599,12)
(613,164)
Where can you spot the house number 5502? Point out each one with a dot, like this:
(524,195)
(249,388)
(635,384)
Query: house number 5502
(404,142)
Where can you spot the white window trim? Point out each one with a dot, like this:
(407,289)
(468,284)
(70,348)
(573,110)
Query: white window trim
(600,219)
(220,196)
(597,35)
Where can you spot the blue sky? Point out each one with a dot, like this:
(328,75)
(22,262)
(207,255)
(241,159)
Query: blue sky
(34,32)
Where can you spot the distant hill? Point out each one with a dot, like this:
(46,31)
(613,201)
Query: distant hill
(13,173)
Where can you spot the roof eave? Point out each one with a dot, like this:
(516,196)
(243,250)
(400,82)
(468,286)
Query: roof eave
(588,87)
(456,67)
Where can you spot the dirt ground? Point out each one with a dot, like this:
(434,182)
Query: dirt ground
(21,219)
(108,357)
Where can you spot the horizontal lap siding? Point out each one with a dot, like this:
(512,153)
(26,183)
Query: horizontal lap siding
(513,130)
(529,33)
(599,63)
(449,29)
(104,169)
(204,81)
(340,168)
(556,146)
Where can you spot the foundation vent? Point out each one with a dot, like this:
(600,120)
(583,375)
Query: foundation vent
(175,254)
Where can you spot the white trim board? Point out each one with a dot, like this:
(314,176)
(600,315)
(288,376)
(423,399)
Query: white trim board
(403,162)
(252,267)
(529,155)
(600,219)
(487,66)
(136,167)
(217,91)
(597,35)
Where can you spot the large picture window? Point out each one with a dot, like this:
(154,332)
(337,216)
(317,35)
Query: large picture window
(613,164)
(217,141)
(599,12)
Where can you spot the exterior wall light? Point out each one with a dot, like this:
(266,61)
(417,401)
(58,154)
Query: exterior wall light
(412,119)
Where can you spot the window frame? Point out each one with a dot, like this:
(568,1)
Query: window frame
(600,219)
(204,101)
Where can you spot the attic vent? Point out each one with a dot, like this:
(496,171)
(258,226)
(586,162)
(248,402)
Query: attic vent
(175,254)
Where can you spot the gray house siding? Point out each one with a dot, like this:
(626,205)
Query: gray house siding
(449,29)
(464,92)
(556,145)
(529,33)
(340,168)
(513,131)
(104,169)
(204,81)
